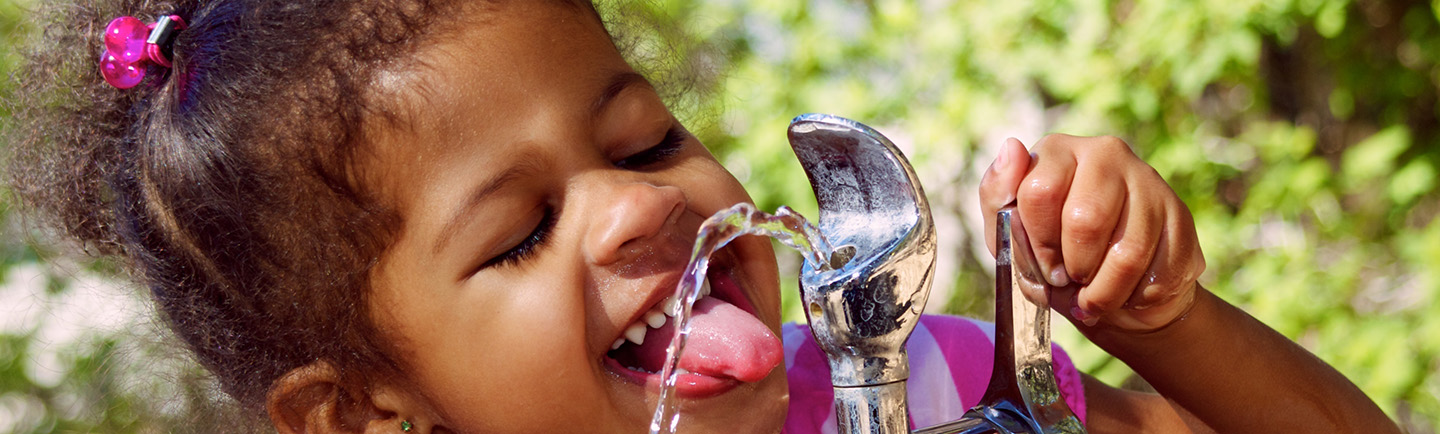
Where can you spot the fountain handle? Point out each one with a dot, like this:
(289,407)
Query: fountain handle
(1023,382)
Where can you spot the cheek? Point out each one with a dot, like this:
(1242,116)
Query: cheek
(534,356)
(464,344)
(715,189)
(764,276)
(710,188)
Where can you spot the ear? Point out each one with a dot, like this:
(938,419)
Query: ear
(316,399)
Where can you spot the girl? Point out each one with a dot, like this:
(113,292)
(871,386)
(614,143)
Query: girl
(437,216)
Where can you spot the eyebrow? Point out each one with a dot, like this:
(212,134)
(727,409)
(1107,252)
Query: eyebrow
(473,200)
(618,83)
(525,167)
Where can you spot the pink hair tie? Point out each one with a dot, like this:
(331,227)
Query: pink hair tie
(130,44)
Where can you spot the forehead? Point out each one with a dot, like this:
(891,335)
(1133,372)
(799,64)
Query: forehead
(500,53)
(500,73)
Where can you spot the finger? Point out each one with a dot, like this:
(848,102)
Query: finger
(1063,300)
(1126,261)
(1040,200)
(1088,220)
(1178,262)
(997,187)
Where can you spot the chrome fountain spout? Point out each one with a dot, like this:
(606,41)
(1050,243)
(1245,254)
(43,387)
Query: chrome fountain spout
(863,304)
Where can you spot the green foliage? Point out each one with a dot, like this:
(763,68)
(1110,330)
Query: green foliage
(1302,133)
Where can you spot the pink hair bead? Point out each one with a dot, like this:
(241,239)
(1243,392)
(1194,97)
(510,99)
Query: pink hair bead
(129,48)
(125,38)
(118,73)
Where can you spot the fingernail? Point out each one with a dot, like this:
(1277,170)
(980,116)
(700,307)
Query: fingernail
(1058,276)
(1084,317)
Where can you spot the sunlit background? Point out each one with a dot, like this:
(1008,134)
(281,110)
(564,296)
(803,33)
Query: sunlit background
(1302,133)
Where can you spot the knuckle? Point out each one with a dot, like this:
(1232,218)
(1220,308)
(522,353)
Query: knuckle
(1112,143)
(1085,225)
(1125,262)
(1184,272)
(1148,172)
(1042,192)
(1149,295)
(1047,252)
(1159,285)
(1052,142)
(1110,305)
(1107,303)
(1197,267)
(1053,138)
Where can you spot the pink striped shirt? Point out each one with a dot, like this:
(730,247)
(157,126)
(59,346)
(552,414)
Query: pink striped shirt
(950,362)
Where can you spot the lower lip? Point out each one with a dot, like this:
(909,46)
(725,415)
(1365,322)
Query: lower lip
(687,386)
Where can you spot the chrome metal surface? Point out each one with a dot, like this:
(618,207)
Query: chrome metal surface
(864,302)
(863,305)
(1023,379)
(872,409)
(969,425)
(1023,396)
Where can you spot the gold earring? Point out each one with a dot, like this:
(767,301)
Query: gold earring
(405,425)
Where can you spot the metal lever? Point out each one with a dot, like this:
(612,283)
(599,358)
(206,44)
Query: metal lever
(1023,396)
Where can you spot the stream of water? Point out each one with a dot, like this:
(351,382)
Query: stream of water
(785,226)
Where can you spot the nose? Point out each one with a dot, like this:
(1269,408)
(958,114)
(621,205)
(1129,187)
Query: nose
(627,215)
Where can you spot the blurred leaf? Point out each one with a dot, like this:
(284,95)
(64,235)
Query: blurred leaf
(1376,155)
(1415,179)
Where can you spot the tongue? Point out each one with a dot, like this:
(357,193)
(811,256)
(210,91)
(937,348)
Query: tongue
(725,341)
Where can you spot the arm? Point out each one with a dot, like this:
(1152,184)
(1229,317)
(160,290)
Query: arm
(1122,411)
(1238,375)
(1123,257)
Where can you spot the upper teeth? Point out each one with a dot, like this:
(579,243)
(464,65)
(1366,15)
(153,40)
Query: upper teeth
(655,317)
(635,333)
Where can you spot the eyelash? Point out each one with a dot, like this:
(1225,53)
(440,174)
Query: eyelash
(527,247)
(668,147)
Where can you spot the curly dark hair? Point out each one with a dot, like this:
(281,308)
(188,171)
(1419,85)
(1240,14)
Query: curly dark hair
(227,184)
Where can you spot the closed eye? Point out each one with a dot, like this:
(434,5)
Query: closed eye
(671,145)
(528,247)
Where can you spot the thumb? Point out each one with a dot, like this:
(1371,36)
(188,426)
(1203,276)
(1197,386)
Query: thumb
(1001,181)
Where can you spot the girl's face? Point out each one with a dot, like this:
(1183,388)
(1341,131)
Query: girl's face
(549,202)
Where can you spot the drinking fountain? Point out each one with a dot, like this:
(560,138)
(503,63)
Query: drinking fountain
(863,305)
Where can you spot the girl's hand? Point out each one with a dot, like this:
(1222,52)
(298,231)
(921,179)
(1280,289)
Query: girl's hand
(1123,256)
(1117,243)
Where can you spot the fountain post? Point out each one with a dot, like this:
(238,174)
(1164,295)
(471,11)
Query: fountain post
(863,304)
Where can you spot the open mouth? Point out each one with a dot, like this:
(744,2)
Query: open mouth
(728,344)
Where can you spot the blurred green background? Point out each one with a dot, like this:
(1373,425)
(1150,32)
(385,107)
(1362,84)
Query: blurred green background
(1302,133)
